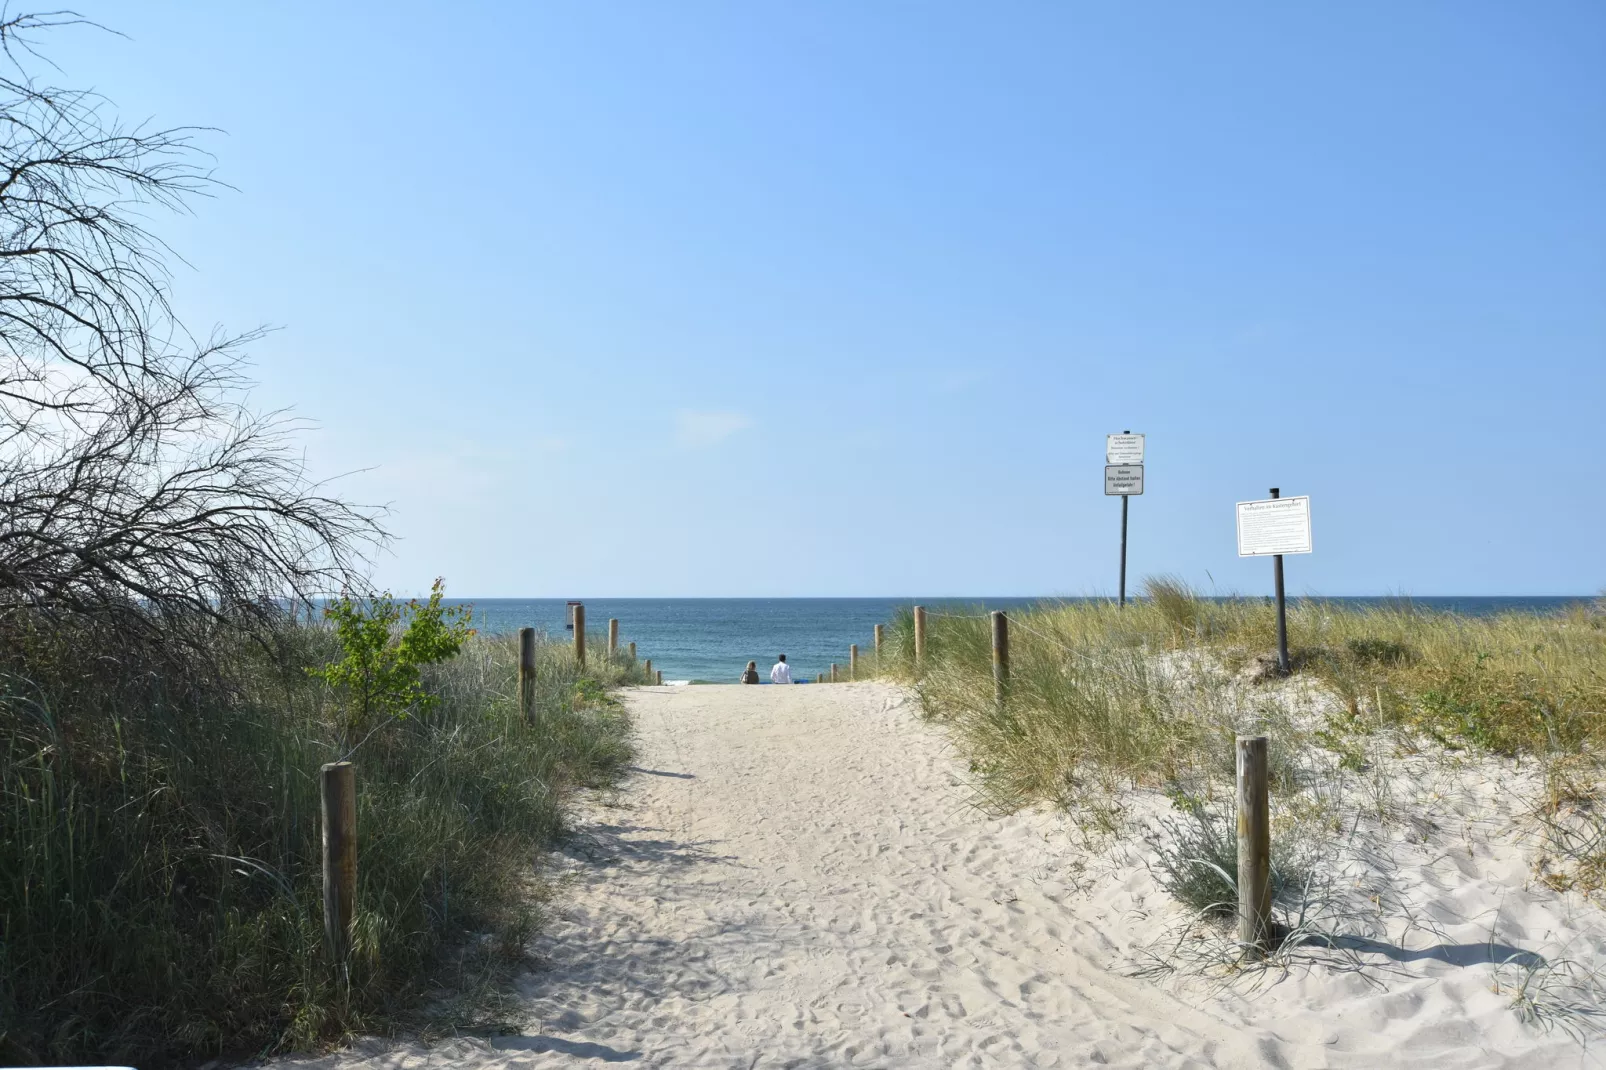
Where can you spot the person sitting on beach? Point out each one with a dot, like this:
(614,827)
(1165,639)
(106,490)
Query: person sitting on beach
(750,674)
(781,673)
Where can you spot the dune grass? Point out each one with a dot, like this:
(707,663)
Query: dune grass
(1102,699)
(159,848)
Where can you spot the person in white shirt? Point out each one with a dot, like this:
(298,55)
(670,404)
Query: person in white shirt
(781,673)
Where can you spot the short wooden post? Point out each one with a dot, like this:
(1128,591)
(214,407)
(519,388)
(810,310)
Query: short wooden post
(920,635)
(527,672)
(580,635)
(853,661)
(613,637)
(878,643)
(1254,846)
(337,788)
(660,678)
(632,649)
(1000,656)
(833,672)
(648,667)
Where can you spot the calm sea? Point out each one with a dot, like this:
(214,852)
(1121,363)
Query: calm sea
(713,638)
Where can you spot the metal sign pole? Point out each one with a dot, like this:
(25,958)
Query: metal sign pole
(1282,607)
(1128,431)
(1123,475)
(1123,551)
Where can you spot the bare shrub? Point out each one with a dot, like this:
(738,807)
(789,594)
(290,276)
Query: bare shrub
(136,485)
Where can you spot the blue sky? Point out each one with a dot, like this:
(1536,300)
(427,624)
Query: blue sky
(842,298)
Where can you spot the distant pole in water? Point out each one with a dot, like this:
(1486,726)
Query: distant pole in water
(527,672)
(878,643)
(1254,846)
(853,661)
(613,637)
(920,635)
(1000,656)
(580,635)
(1282,607)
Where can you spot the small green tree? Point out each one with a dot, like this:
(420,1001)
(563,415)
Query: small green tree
(378,676)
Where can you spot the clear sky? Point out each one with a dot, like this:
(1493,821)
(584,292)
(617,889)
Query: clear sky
(842,298)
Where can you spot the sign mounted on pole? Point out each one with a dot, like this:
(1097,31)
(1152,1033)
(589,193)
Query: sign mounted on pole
(1123,479)
(1123,449)
(1274,526)
(1123,476)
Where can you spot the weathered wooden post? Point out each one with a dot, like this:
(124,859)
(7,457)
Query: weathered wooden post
(853,661)
(527,672)
(580,635)
(337,788)
(613,637)
(878,644)
(920,635)
(648,667)
(632,649)
(1000,656)
(660,678)
(833,672)
(1254,846)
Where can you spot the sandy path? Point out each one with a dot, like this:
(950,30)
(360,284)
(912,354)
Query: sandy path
(794,879)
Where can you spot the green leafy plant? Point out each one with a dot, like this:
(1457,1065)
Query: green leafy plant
(384,645)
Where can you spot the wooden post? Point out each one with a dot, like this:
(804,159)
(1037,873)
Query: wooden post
(632,649)
(660,678)
(527,672)
(853,661)
(1000,656)
(1254,846)
(613,637)
(580,635)
(649,670)
(337,787)
(833,672)
(920,635)
(878,644)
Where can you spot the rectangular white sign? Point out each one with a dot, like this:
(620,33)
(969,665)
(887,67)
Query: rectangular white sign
(1274,526)
(1123,479)
(1123,449)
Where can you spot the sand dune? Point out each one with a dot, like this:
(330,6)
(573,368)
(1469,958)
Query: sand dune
(795,878)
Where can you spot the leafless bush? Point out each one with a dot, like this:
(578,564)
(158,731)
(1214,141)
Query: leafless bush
(136,485)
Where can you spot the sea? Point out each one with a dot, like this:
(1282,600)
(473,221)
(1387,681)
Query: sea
(712,639)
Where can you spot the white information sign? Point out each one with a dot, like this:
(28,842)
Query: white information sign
(1123,479)
(1274,526)
(1123,449)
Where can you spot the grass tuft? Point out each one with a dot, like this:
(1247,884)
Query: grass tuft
(1102,700)
(159,847)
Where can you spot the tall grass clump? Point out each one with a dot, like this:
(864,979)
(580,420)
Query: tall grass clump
(1092,704)
(1102,697)
(159,839)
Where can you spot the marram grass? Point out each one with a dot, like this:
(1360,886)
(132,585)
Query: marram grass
(1102,697)
(159,859)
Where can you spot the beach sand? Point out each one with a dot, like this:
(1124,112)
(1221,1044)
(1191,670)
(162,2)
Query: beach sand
(797,877)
